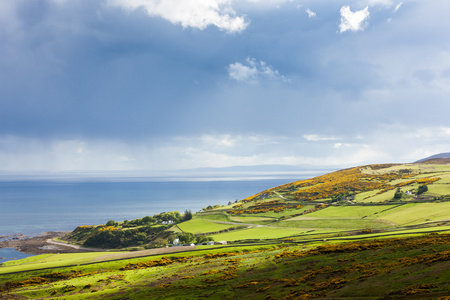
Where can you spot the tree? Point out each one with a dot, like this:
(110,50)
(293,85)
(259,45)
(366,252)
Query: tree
(187,238)
(175,216)
(422,189)
(398,194)
(148,219)
(112,223)
(157,243)
(187,215)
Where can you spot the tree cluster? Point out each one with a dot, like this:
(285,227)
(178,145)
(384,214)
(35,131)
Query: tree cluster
(113,237)
(138,232)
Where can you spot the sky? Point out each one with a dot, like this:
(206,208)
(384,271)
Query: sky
(176,84)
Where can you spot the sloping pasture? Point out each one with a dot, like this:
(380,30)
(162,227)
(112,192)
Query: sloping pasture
(336,224)
(213,216)
(417,213)
(258,233)
(342,217)
(50,261)
(203,226)
(350,211)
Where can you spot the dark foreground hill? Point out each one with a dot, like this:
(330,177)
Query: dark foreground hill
(395,268)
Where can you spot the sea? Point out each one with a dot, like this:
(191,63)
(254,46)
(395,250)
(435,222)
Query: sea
(31,207)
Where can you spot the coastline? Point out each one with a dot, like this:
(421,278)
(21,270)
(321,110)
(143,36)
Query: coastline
(41,244)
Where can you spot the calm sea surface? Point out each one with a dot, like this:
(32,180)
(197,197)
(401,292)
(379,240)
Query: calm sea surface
(32,207)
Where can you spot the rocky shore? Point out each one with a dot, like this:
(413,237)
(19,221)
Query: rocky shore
(39,244)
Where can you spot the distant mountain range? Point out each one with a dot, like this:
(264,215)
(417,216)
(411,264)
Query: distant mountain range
(436,156)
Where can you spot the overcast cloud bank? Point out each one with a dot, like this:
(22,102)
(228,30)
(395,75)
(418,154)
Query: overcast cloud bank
(165,85)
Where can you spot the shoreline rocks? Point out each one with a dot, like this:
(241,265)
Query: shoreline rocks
(36,244)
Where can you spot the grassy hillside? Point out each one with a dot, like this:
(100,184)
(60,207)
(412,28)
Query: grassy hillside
(365,232)
(401,268)
(375,198)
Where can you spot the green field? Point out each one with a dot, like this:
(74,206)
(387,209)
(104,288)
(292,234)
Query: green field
(332,224)
(203,226)
(352,212)
(441,188)
(374,198)
(417,213)
(249,219)
(214,216)
(365,196)
(258,233)
(49,261)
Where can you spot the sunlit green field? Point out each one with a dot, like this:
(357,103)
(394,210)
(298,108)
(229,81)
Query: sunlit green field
(374,198)
(216,216)
(258,233)
(49,261)
(412,214)
(440,187)
(333,224)
(203,226)
(247,219)
(352,212)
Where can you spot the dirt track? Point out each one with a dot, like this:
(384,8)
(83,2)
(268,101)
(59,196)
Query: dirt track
(149,252)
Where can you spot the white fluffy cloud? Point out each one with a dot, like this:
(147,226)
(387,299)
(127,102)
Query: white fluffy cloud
(310,13)
(242,72)
(190,13)
(252,70)
(354,21)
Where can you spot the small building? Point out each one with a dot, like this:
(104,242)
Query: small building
(176,242)
(220,243)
